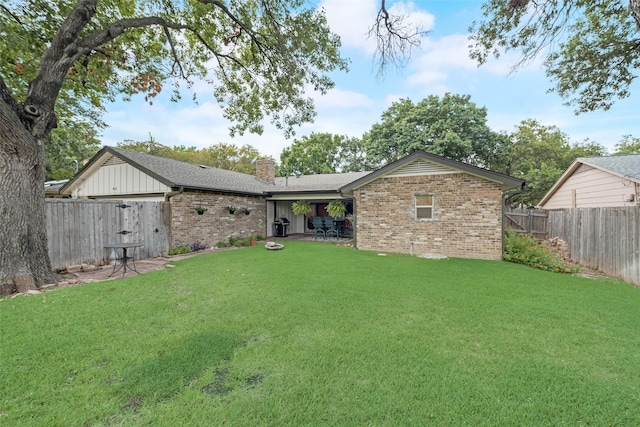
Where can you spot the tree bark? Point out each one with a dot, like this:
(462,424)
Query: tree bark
(634,8)
(24,259)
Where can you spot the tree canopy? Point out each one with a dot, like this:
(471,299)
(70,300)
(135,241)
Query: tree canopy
(451,126)
(322,153)
(591,47)
(628,145)
(539,154)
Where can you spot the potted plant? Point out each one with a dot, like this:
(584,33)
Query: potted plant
(232,209)
(246,211)
(253,240)
(200,209)
(300,207)
(336,208)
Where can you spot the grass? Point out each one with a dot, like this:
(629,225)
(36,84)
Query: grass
(324,335)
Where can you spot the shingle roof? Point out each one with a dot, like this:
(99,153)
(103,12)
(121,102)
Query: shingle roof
(175,173)
(627,165)
(318,182)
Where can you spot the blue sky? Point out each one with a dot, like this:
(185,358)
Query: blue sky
(440,65)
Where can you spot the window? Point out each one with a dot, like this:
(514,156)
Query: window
(424,207)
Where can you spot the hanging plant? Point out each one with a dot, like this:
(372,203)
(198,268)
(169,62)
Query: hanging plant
(336,208)
(300,207)
(200,209)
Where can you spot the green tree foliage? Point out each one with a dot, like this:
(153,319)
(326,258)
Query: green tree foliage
(540,154)
(223,156)
(628,145)
(322,153)
(451,126)
(25,31)
(592,47)
(68,146)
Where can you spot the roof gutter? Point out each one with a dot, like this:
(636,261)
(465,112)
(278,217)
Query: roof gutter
(170,194)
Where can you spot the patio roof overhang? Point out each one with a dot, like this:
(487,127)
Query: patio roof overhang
(305,195)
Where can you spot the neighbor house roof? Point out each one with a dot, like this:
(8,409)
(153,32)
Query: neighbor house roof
(53,187)
(176,174)
(624,166)
(435,164)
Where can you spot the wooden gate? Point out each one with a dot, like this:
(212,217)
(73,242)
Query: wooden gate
(526,221)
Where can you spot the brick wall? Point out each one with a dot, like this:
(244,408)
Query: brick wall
(467,220)
(216,224)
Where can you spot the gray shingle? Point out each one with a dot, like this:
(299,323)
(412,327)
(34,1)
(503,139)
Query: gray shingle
(626,165)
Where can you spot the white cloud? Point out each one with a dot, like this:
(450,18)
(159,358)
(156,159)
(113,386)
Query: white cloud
(351,21)
(342,99)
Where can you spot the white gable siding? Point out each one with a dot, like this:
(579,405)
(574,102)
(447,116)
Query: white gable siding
(591,187)
(115,178)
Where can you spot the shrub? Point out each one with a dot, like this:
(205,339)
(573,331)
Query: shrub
(178,250)
(197,246)
(524,249)
(239,241)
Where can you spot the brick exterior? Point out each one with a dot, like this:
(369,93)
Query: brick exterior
(266,170)
(467,220)
(216,224)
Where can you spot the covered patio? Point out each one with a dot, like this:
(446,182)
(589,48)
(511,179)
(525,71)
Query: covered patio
(317,190)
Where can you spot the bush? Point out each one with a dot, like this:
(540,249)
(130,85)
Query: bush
(197,246)
(179,250)
(524,249)
(239,241)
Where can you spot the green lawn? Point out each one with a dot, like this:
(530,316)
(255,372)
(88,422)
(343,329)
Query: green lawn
(323,335)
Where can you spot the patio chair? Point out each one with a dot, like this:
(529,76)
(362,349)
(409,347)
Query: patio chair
(330,228)
(318,228)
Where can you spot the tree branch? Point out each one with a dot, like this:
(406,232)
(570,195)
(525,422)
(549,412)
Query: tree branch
(395,39)
(15,18)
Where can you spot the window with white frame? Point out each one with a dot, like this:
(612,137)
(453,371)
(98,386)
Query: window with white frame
(424,206)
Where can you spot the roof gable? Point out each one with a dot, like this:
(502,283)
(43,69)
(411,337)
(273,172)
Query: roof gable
(423,163)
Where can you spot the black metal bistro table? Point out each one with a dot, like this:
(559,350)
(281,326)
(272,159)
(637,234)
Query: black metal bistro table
(123,263)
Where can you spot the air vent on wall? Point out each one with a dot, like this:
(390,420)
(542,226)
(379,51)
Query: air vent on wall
(422,167)
(113,161)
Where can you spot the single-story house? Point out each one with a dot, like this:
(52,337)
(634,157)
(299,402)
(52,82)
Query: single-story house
(592,182)
(421,204)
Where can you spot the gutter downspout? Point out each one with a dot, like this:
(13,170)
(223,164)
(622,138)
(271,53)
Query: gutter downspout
(167,196)
(173,193)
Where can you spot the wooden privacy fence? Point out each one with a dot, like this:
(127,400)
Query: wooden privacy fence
(527,221)
(77,230)
(606,239)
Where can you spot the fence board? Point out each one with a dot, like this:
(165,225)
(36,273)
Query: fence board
(529,221)
(77,230)
(606,239)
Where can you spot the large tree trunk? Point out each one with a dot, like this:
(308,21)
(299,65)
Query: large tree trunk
(24,259)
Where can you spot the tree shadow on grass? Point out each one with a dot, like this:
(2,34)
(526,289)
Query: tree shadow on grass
(172,369)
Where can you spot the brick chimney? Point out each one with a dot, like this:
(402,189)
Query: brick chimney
(266,170)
